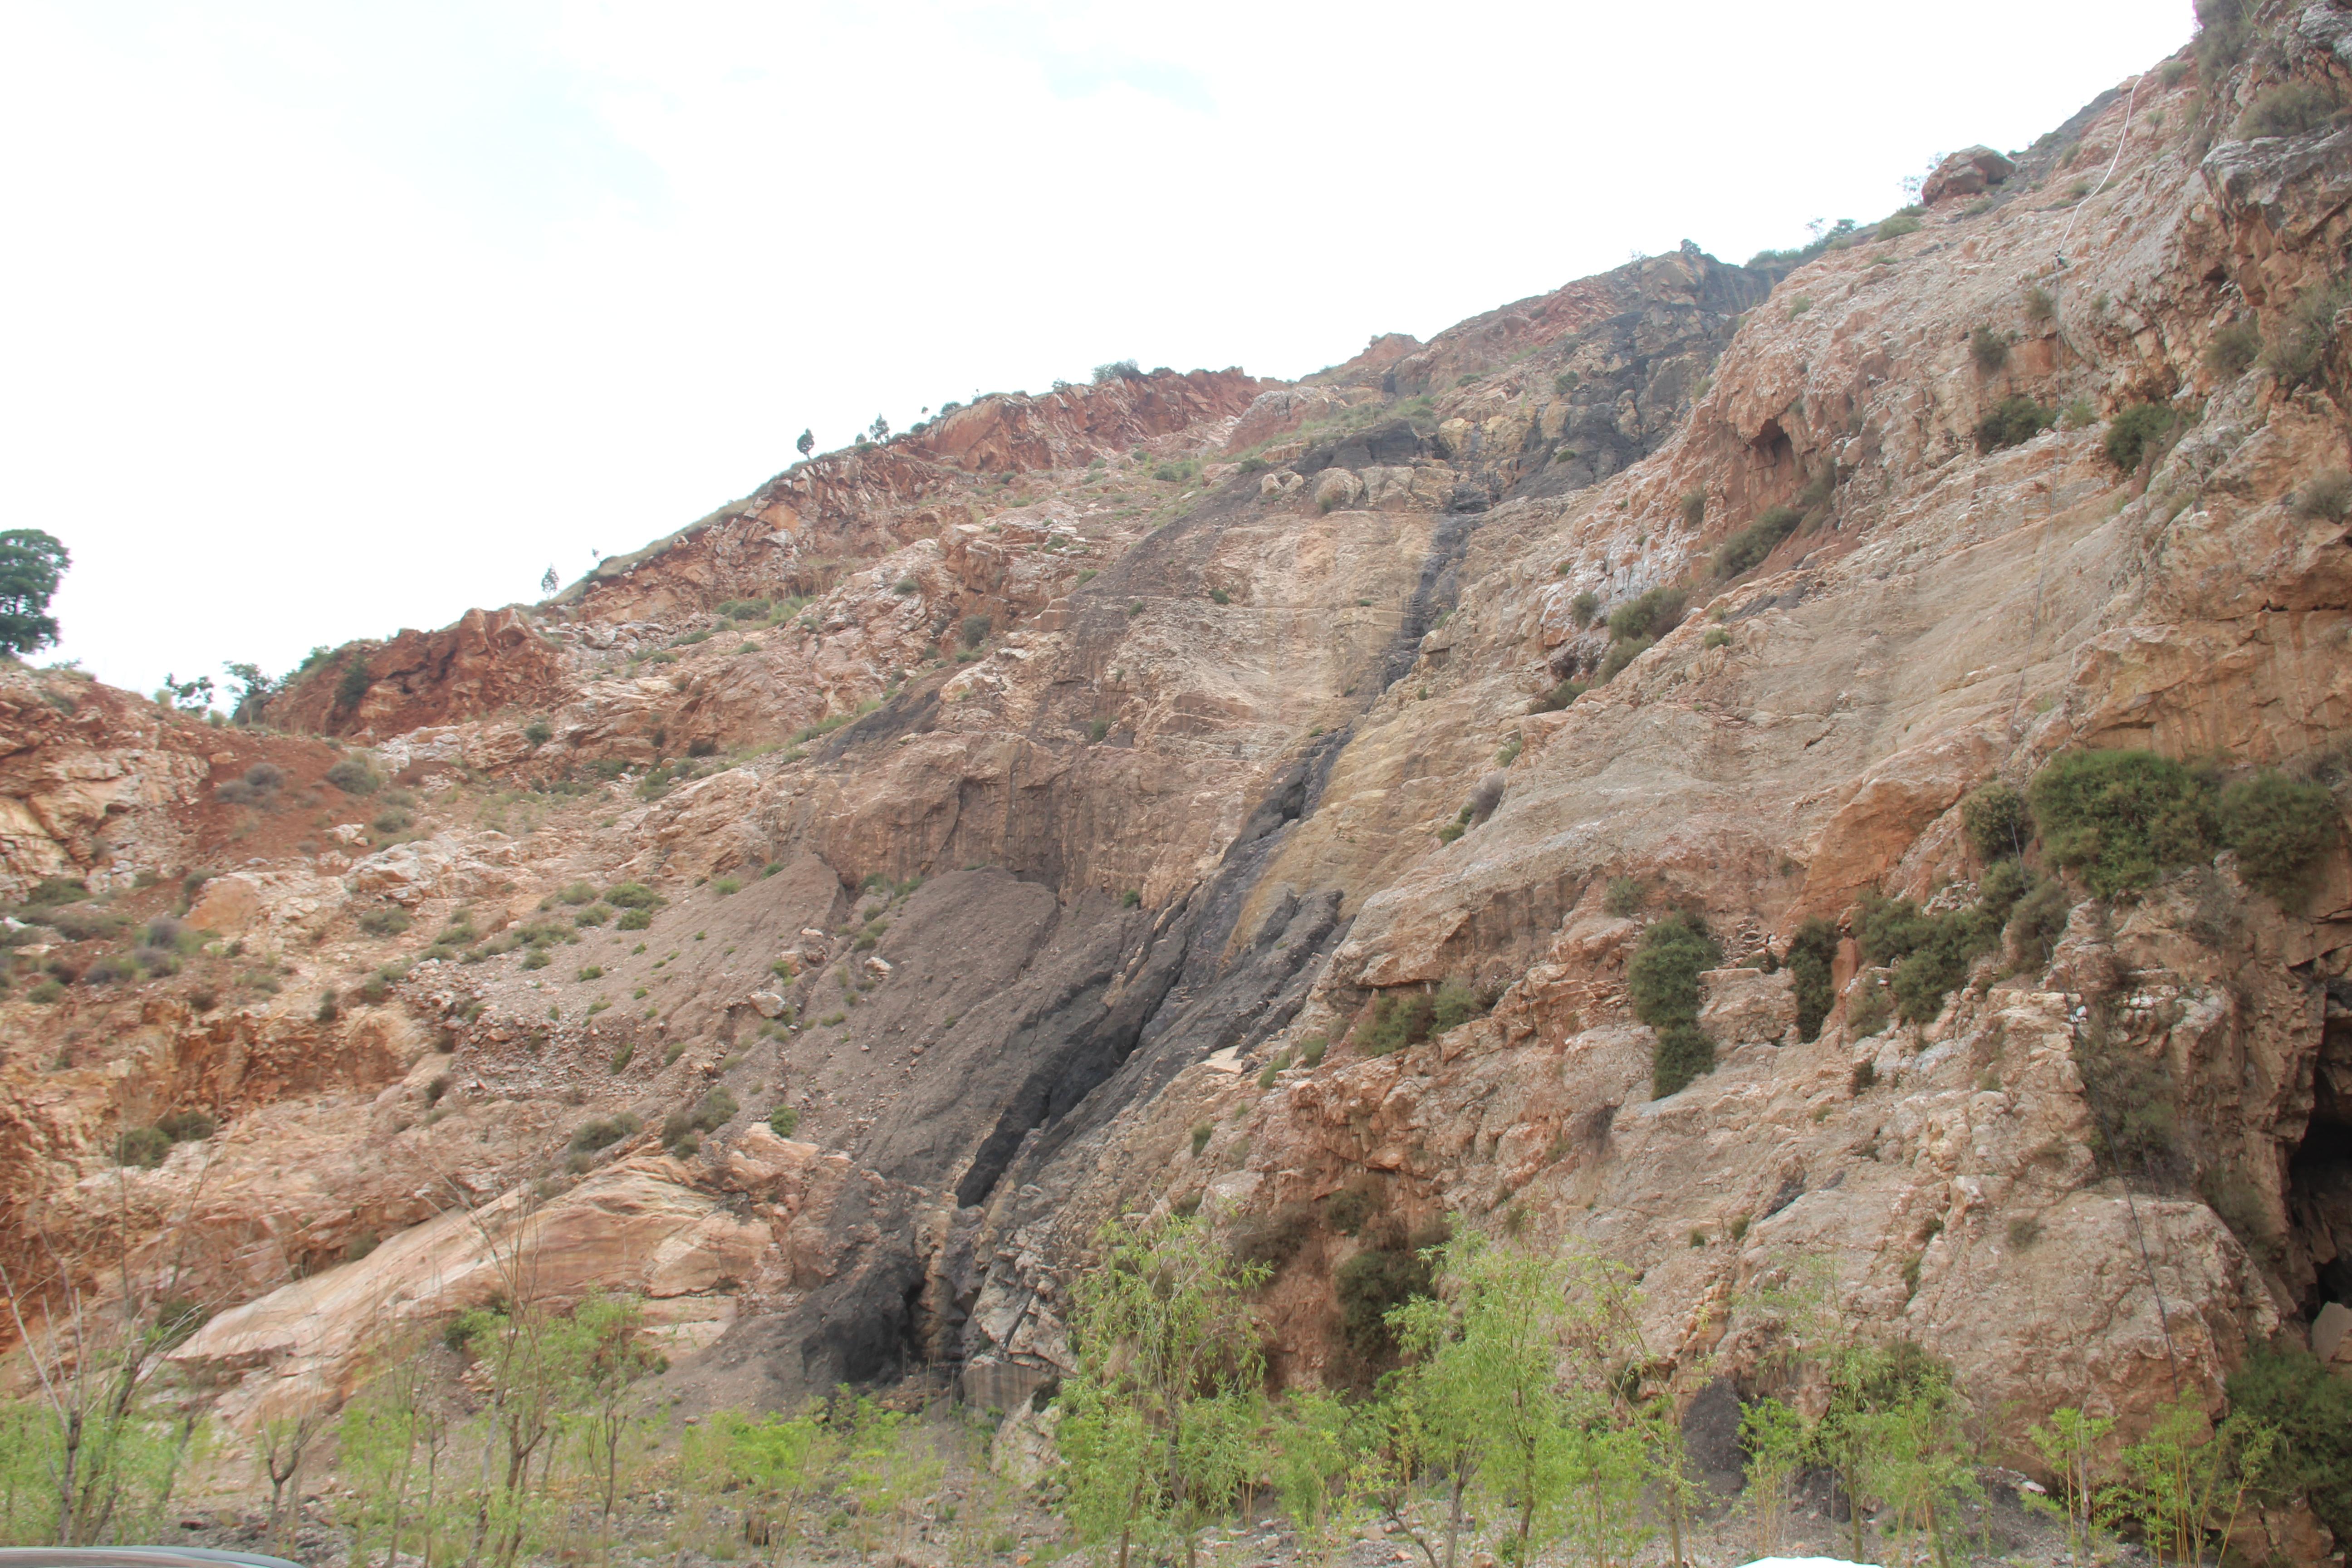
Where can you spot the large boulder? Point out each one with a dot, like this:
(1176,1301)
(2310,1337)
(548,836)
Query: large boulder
(1967,173)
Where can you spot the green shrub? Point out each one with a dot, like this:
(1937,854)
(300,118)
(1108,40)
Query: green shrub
(1454,1004)
(2121,817)
(354,686)
(1718,638)
(354,777)
(2016,419)
(1662,983)
(725,885)
(1694,509)
(1584,607)
(2041,307)
(976,629)
(603,1132)
(1097,728)
(2286,1389)
(1901,224)
(2136,433)
(384,923)
(537,732)
(1130,899)
(1998,821)
(55,891)
(1651,616)
(1621,654)
(2222,31)
(1272,1239)
(1868,1012)
(2290,109)
(2037,923)
(1220,596)
(1311,1049)
(1812,957)
(1346,1210)
(2135,1113)
(1378,1280)
(45,994)
(1201,1136)
(144,1147)
(575,894)
(2233,350)
(1743,550)
(1989,349)
(633,896)
(2325,497)
(1564,383)
(784,1121)
(1681,1053)
(1561,696)
(1623,897)
(708,1114)
(186,1126)
(2299,342)
(2280,828)
(1396,1022)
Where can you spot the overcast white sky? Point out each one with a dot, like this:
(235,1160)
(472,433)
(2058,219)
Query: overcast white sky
(318,318)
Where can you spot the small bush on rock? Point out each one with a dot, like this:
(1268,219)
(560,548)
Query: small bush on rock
(2120,817)
(2135,434)
(1812,957)
(354,777)
(186,1126)
(2289,108)
(2233,350)
(143,1147)
(604,1132)
(1397,1022)
(2015,420)
(1744,550)
(1662,983)
(2325,497)
(1621,898)
(2280,828)
(708,1114)
(1989,349)
(1998,821)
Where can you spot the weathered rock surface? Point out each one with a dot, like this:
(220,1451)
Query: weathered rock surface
(1034,805)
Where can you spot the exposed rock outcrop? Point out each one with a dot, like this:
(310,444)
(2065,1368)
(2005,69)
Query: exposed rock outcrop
(1037,804)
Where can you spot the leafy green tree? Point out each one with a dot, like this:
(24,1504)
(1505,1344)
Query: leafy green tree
(2071,1446)
(1774,1437)
(389,1440)
(1320,1450)
(253,690)
(186,696)
(605,1333)
(783,1463)
(31,565)
(2186,1481)
(806,444)
(1485,1378)
(1152,1435)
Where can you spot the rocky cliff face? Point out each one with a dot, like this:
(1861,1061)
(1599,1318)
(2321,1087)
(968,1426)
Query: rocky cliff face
(1044,804)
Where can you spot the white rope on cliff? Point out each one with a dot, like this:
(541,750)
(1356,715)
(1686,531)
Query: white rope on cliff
(2121,137)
